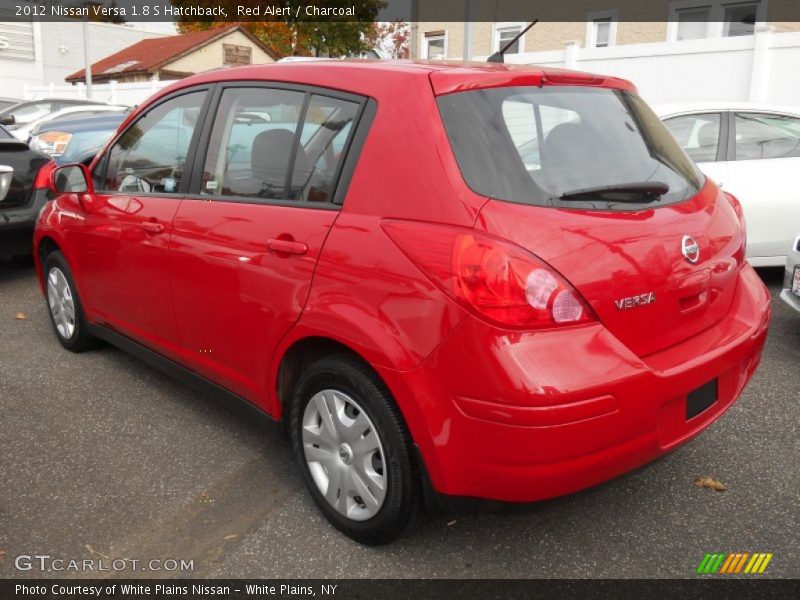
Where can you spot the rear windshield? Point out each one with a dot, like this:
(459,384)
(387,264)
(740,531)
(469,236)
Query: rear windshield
(576,147)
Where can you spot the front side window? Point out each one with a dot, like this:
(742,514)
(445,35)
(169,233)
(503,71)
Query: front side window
(566,146)
(150,156)
(698,135)
(761,136)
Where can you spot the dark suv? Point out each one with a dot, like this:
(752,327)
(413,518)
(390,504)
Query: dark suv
(23,193)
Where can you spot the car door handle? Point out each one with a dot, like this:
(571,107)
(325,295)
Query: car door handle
(153,227)
(287,247)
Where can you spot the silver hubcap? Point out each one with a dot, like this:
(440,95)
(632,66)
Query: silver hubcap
(344,455)
(62,303)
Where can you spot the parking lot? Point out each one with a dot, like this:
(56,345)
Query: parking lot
(103,456)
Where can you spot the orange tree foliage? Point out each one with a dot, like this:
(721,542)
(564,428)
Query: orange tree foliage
(303,36)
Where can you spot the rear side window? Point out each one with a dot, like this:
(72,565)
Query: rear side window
(251,143)
(698,135)
(766,136)
(565,145)
(151,155)
(326,129)
(275,144)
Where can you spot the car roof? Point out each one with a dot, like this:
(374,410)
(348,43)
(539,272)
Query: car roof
(83,107)
(676,108)
(361,75)
(69,100)
(19,103)
(95,122)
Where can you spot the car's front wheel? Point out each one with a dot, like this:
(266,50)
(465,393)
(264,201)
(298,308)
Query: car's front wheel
(65,308)
(355,450)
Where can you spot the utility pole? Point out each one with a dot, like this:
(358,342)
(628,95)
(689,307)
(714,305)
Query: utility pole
(468,29)
(86,60)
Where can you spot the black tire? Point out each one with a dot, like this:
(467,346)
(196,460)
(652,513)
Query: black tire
(80,340)
(402,504)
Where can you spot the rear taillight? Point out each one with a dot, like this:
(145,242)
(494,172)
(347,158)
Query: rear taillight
(6,175)
(737,208)
(493,278)
(43,179)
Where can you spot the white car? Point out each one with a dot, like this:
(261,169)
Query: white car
(753,152)
(25,131)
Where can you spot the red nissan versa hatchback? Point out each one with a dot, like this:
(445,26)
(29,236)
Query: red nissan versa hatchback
(450,281)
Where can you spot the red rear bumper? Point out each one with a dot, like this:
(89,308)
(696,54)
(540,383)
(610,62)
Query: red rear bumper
(515,416)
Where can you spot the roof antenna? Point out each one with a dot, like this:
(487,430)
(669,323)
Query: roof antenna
(498,57)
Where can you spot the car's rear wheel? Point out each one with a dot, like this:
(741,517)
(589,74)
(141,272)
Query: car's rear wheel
(65,308)
(352,443)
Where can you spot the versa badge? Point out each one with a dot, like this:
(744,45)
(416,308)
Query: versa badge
(635,301)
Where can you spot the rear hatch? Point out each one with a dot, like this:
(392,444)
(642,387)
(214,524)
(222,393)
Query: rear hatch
(589,180)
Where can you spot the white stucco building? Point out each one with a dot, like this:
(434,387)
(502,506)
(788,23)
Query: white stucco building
(39,53)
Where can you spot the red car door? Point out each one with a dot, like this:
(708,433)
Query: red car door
(123,250)
(244,248)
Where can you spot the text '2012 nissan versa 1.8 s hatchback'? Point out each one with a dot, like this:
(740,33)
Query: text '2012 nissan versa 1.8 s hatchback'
(451,281)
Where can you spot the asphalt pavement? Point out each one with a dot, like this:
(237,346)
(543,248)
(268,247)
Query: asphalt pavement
(102,458)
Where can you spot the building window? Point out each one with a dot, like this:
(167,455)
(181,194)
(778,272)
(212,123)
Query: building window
(434,45)
(601,29)
(602,32)
(504,33)
(697,19)
(693,23)
(236,55)
(740,19)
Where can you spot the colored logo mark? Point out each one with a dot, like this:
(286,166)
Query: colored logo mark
(735,562)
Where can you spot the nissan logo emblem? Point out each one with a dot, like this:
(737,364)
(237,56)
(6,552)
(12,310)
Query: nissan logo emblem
(690,249)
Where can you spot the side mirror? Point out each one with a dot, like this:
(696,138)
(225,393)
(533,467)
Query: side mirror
(7,120)
(73,179)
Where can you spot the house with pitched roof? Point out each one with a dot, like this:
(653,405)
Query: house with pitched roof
(179,56)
